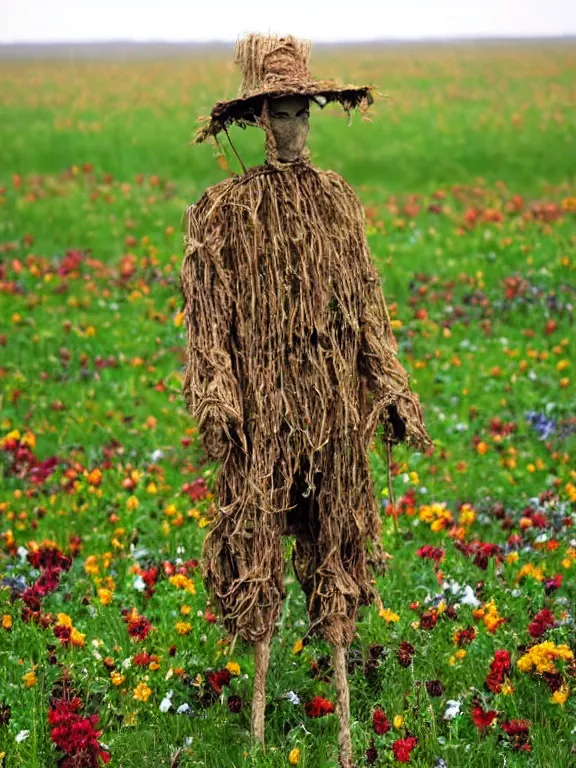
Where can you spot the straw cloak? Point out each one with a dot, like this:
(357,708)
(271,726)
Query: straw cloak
(292,355)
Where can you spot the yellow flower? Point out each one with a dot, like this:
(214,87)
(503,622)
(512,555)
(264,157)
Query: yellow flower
(183,627)
(151,488)
(132,503)
(142,692)
(63,620)
(535,572)
(489,615)
(7,621)
(560,696)
(507,689)
(30,679)
(294,756)
(481,447)
(77,638)
(388,615)
(461,653)
(512,557)
(105,596)
(117,678)
(94,477)
(29,439)
(398,721)
(182,582)
(91,565)
(233,667)
(542,657)
(467,514)
(297,647)
(130,718)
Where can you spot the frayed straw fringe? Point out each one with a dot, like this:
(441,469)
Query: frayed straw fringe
(292,358)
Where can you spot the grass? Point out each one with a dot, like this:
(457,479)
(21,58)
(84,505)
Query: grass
(467,173)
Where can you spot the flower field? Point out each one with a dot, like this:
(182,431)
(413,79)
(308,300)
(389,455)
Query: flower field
(110,652)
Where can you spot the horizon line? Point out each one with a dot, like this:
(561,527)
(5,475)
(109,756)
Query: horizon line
(363,41)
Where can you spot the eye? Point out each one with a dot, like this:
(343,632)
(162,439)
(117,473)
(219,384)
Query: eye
(280,115)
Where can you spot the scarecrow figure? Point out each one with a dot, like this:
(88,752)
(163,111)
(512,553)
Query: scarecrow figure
(292,365)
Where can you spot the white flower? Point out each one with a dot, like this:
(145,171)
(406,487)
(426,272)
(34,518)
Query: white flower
(139,584)
(292,697)
(453,707)
(183,709)
(166,702)
(22,736)
(156,455)
(22,553)
(469,598)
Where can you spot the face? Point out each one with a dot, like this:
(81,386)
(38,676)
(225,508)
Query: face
(289,124)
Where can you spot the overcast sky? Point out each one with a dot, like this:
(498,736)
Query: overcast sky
(187,20)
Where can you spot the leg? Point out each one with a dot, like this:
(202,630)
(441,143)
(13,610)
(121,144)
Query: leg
(261,661)
(342,705)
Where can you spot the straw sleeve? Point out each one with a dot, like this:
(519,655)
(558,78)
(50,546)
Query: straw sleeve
(210,386)
(391,400)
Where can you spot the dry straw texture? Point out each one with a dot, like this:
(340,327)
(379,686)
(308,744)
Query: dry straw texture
(291,356)
(277,66)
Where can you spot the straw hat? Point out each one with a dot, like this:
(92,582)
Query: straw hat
(277,66)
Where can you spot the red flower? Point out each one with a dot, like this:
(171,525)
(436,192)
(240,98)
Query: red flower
(464,636)
(554,583)
(197,490)
(142,659)
(318,707)
(219,678)
(403,747)
(481,551)
(63,633)
(432,553)
(380,722)
(75,735)
(138,626)
(481,718)
(429,618)
(516,727)
(518,731)
(405,653)
(499,668)
(543,621)
(49,558)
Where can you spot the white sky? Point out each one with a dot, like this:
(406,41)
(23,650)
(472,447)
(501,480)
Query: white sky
(203,20)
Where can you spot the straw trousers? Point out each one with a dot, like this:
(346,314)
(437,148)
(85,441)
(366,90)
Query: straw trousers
(331,516)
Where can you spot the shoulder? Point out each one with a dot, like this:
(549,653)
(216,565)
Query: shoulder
(337,187)
(219,194)
(338,183)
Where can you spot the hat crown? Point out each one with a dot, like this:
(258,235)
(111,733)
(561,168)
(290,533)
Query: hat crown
(269,61)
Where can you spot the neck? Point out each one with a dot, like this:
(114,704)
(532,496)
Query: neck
(272,159)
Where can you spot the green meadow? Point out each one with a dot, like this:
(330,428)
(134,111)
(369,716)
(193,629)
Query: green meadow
(467,171)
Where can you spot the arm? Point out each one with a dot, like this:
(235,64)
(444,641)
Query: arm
(391,400)
(210,387)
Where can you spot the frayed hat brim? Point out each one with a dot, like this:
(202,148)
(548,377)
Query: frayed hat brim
(246,110)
